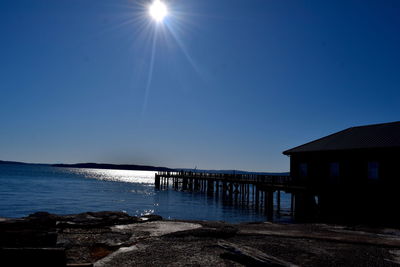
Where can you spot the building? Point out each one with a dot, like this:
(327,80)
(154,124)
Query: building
(353,174)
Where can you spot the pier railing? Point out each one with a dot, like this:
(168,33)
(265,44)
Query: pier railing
(245,178)
(256,190)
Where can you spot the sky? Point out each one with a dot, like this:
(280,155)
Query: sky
(219,84)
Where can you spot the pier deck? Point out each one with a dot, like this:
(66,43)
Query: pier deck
(254,190)
(265,182)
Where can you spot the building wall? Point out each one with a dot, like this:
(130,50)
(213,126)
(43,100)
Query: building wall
(353,167)
(352,195)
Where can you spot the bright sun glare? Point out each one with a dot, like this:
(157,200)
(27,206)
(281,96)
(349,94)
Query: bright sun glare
(158,10)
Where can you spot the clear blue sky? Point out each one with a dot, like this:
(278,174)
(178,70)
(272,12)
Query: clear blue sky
(233,83)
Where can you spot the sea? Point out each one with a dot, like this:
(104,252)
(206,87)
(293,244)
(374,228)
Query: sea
(26,189)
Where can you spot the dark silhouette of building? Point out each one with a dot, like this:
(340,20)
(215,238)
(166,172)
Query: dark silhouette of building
(352,175)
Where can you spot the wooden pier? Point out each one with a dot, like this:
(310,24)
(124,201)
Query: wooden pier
(247,190)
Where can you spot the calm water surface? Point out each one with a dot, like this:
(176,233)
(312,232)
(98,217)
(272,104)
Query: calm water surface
(25,189)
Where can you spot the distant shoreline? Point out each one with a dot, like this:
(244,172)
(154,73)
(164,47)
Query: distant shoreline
(135,167)
(113,166)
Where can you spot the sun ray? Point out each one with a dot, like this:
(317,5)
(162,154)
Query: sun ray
(149,30)
(184,51)
(150,74)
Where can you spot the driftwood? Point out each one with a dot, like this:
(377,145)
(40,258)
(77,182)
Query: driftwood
(79,265)
(249,256)
(347,238)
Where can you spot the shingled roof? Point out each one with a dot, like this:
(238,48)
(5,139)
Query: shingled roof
(369,136)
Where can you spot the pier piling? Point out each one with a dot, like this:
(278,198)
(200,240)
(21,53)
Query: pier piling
(246,190)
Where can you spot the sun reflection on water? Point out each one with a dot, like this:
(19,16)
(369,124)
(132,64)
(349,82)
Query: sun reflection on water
(127,176)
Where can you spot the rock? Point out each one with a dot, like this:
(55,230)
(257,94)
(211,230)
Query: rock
(221,232)
(42,219)
(27,238)
(39,220)
(96,219)
(36,230)
(123,240)
(150,218)
(249,256)
(53,257)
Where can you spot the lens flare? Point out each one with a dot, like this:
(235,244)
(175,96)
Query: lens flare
(158,10)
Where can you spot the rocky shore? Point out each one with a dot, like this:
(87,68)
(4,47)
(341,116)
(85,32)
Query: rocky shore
(117,239)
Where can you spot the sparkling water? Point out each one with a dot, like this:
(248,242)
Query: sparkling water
(25,189)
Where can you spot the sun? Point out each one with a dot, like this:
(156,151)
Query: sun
(158,10)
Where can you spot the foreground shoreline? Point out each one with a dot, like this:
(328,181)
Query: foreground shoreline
(117,239)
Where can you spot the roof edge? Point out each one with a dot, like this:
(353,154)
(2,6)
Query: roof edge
(290,151)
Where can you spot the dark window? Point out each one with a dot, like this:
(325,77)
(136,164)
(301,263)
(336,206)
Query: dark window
(303,170)
(334,169)
(373,170)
